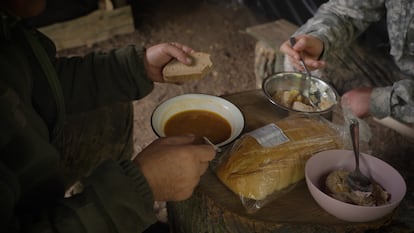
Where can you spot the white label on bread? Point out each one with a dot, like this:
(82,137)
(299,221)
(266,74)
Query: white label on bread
(269,135)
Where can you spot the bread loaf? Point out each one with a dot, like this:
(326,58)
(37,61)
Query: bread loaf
(176,71)
(253,171)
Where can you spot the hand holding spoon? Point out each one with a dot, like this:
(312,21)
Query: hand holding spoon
(307,86)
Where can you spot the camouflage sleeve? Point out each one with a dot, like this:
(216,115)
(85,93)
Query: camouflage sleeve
(338,22)
(396,101)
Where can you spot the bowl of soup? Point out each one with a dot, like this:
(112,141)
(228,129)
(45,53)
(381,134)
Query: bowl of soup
(202,115)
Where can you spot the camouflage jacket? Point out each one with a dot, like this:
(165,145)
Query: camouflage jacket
(339,22)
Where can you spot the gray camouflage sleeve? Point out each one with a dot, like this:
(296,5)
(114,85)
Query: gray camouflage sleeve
(396,101)
(338,22)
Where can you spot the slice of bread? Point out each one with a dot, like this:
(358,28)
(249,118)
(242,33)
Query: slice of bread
(177,72)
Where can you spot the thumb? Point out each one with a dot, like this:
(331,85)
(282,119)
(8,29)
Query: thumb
(300,44)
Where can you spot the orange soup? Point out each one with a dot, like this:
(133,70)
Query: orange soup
(201,123)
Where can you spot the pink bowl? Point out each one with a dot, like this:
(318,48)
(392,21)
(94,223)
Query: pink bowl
(321,164)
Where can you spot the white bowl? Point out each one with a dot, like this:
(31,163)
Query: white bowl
(211,103)
(321,164)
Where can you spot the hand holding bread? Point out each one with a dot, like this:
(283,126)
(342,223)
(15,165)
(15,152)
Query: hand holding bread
(175,63)
(177,72)
(157,56)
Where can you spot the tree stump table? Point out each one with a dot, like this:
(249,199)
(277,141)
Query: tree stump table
(214,208)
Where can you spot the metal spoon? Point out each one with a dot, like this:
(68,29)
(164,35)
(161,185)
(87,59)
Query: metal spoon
(357,180)
(306,89)
(212,144)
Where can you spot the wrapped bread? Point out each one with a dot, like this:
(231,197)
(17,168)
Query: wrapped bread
(176,71)
(254,171)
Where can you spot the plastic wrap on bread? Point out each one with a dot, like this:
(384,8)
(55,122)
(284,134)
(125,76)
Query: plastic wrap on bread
(268,161)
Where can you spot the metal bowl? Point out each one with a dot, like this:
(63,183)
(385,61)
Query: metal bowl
(288,81)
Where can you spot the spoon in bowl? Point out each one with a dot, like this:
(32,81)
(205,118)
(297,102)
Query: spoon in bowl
(216,148)
(307,86)
(357,180)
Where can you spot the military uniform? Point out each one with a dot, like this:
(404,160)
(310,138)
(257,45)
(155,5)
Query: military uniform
(338,23)
(40,94)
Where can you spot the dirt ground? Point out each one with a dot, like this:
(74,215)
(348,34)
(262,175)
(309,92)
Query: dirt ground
(212,26)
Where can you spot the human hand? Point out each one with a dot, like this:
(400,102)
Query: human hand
(159,55)
(173,166)
(310,47)
(358,100)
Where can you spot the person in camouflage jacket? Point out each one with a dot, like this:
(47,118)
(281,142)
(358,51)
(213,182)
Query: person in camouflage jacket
(38,91)
(335,27)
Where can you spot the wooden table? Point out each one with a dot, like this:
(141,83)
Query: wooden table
(213,208)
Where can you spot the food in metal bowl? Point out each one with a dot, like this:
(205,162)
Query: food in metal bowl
(294,99)
(285,90)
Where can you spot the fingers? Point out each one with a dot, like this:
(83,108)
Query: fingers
(301,44)
(296,63)
(178,140)
(358,101)
(203,153)
(292,55)
(287,49)
(180,52)
(183,47)
(308,47)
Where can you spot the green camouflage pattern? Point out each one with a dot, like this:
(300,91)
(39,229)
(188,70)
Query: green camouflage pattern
(339,23)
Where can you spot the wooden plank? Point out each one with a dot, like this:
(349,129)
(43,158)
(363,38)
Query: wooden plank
(87,30)
(268,60)
(273,33)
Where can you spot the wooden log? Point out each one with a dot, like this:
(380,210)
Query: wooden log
(95,27)
(268,60)
(214,208)
(273,33)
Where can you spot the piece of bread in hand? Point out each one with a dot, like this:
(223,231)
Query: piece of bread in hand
(176,72)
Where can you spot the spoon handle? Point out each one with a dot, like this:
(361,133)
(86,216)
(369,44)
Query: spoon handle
(302,62)
(354,129)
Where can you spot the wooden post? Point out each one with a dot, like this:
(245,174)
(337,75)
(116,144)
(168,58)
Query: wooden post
(270,36)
